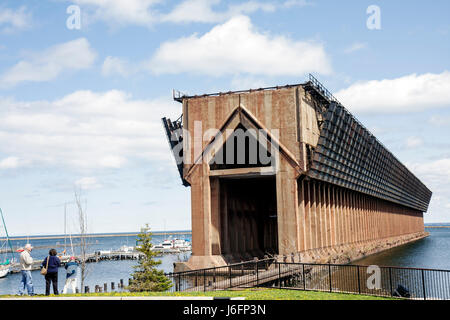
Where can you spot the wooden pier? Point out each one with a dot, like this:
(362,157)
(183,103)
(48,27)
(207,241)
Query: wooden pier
(90,258)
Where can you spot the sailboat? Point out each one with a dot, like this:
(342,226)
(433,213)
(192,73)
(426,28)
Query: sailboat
(5,266)
(65,255)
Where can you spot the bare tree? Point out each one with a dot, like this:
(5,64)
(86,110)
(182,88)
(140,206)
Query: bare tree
(84,244)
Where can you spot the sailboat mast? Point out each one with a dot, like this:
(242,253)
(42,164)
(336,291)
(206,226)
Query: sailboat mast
(65,226)
(6,231)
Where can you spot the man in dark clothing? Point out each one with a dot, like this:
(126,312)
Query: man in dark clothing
(52,271)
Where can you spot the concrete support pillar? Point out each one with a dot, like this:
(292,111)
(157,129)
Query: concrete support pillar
(318,218)
(313,216)
(215,216)
(323,222)
(350,217)
(200,217)
(287,208)
(301,212)
(363,216)
(341,220)
(323,216)
(329,217)
(333,226)
(358,217)
(308,215)
(346,217)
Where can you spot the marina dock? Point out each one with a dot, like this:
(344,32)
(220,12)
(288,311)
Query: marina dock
(97,257)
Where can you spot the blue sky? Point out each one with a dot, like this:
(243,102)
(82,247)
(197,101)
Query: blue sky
(81,108)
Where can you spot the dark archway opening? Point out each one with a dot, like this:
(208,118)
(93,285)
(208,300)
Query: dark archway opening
(248,215)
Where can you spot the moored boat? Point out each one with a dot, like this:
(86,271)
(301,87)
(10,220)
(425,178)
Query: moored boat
(182,245)
(5,266)
(4,270)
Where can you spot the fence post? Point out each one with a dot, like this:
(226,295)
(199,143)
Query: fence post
(423,285)
(204,280)
(179,282)
(304,278)
(359,282)
(257,272)
(229,271)
(279,274)
(390,281)
(329,276)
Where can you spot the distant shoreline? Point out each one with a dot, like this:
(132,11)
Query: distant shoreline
(437,226)
(130,234)
(95,235)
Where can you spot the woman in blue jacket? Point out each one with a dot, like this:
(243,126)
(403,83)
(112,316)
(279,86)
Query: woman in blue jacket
(52,271)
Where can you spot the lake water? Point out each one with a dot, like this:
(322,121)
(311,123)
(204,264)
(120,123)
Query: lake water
(432,252)
(98,273)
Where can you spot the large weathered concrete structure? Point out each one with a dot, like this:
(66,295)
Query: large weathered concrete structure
(330,192)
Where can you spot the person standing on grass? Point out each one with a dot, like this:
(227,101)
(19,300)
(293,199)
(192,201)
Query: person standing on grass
(26,262)
(71,275)
(52,271)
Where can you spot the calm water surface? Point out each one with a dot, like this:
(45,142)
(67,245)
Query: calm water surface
(98,273)
(432,252)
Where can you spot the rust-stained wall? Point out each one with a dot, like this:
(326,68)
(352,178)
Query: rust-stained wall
(331,216)
(312,217)
(275,109)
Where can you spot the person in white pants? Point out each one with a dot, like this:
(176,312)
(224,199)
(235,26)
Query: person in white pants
(71,275)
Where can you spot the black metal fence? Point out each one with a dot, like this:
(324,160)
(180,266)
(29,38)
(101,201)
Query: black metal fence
(411,283)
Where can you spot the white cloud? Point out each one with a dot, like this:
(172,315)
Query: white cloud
(10,163)
(114,65)
(435,172)
(250,82)
(84,130)
(409,93)
(413,142)
(120,12)
(436,176)
(355,47)
(296,3)
(13,20)
(49,64)
(439,121)
(88,183)
(236,47)
(203,11)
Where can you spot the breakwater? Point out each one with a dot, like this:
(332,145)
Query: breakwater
(95,235)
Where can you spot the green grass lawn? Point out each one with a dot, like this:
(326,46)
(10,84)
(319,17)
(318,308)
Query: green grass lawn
(249,294)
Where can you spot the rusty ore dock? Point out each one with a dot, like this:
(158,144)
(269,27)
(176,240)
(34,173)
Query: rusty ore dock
(332,193)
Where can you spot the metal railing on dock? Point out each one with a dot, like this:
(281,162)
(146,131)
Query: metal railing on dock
(410,283)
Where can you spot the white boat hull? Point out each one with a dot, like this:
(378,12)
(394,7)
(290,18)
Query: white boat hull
(4,272)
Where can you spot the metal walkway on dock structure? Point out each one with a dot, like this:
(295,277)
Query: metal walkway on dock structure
(410,283)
